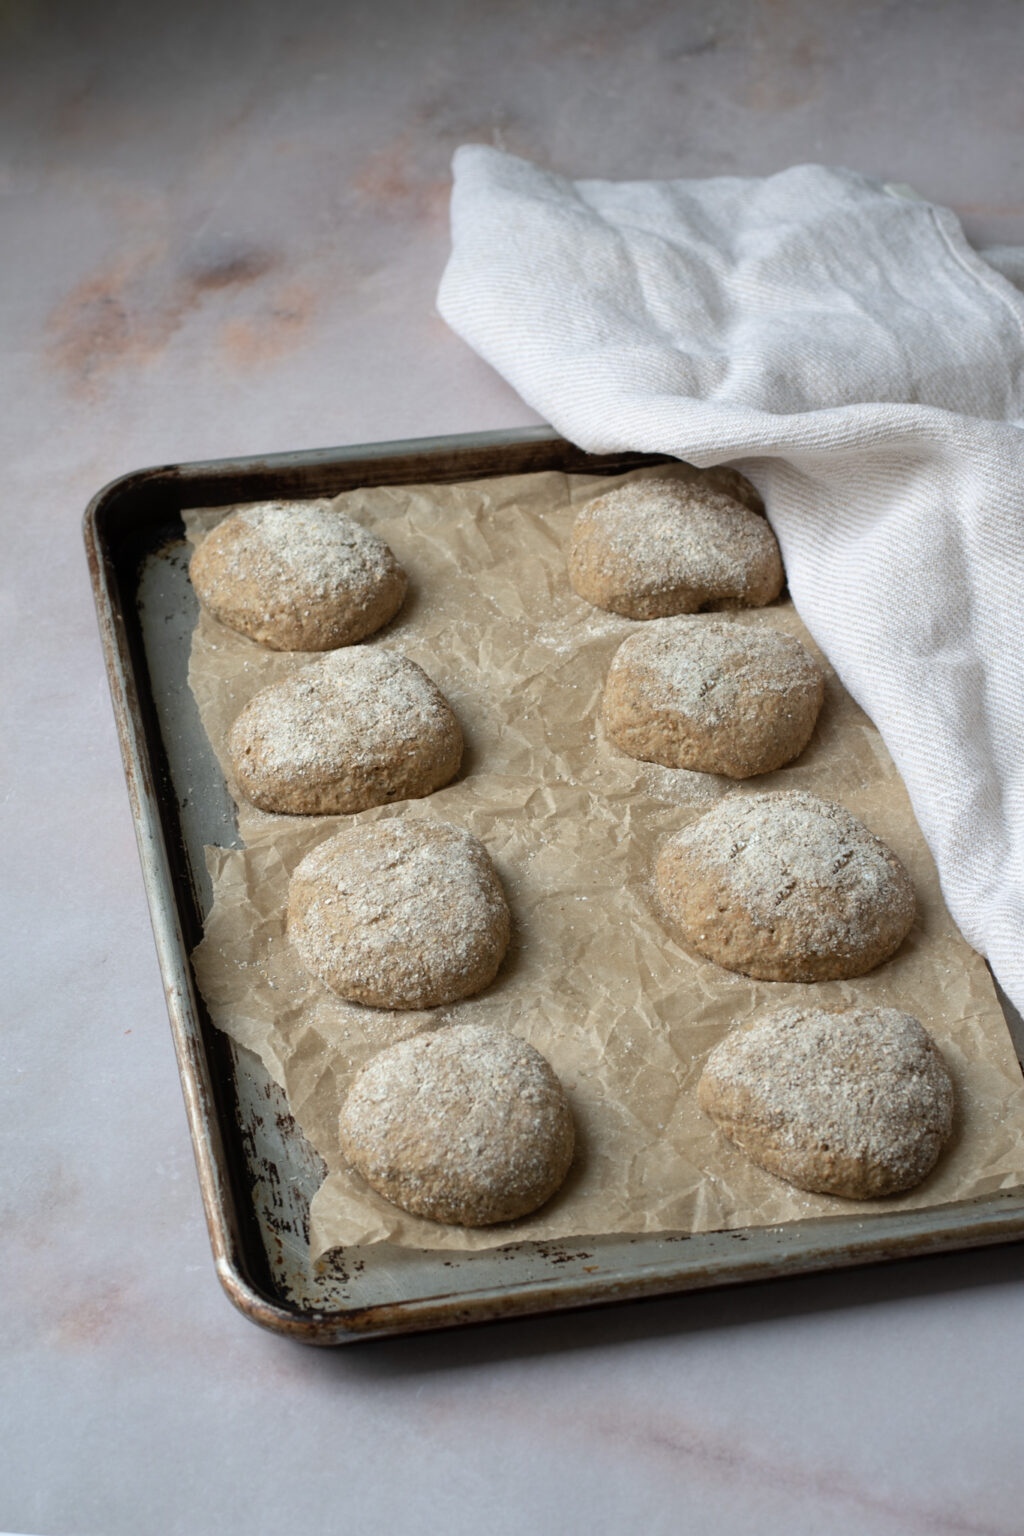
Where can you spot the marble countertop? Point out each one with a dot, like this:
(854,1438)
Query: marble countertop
(222,231)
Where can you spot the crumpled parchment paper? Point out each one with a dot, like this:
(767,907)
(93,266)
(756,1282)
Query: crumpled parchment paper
(594,978)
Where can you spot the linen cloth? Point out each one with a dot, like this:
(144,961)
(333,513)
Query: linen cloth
(842,344)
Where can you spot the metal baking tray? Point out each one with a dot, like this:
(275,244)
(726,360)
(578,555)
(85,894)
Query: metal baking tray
(256,1171)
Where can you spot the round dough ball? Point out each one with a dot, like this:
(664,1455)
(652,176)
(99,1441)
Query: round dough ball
(357,728)
(657,547)
(297,576)
(714,696)
(858,1104)
(785,887)
(467,1124)
(399,914)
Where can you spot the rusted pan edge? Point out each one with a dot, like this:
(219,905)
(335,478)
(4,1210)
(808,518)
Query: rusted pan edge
(404,461)
(193,1068)
(795,1250)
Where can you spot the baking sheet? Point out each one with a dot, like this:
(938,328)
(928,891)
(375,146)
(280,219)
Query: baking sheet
(593,979)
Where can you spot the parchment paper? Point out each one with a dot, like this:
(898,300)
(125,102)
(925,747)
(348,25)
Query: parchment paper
(594,978)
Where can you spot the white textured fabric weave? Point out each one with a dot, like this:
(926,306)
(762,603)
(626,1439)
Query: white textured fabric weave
(841,343)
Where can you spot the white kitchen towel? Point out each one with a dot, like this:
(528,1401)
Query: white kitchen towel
(841,343)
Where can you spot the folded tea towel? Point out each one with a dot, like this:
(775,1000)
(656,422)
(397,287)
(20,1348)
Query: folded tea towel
(841,343)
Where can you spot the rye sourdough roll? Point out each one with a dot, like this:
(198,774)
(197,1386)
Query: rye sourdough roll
(652,548)
(399,914)
(297,576)
(857,1103)
(713,696)
(467,1124)
(785,887)
(357,728)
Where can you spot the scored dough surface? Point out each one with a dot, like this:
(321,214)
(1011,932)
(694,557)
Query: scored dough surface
(467,1124)
(785,887)
(399,914)
(712,696)
(357,728)
(658,547)
(297,576)
(857,1103)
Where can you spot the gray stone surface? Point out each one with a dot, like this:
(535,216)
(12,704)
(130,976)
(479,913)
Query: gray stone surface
(221,230)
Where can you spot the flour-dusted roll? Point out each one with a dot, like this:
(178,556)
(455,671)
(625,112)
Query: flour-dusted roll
(712,696)
(785,887)
(399,914)
(297,576)
(652,548)
(857,1103)
(467,1124)
(357,728)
